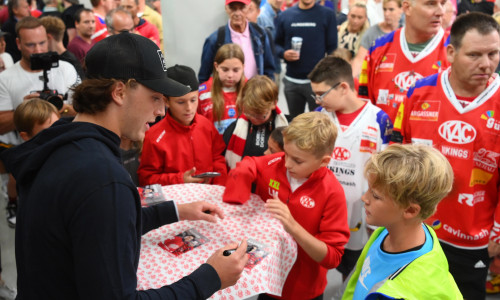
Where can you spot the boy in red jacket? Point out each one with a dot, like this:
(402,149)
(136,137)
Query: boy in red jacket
(305,196)
(184,143)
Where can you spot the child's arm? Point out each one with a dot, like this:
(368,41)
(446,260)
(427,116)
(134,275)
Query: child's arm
(239,181)
(315,248)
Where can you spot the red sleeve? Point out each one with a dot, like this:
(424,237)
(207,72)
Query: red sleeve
(219,162)
(364,92)
(152,164)
(239,181)
(495,231)
(334,229)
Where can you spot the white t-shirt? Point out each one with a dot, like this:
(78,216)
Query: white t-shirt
(16,83)
(7,60)
(375,12)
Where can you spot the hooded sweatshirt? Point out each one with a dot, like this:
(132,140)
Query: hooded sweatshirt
(80,221)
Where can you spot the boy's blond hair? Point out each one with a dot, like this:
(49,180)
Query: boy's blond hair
(32,112)
(411,174)
(258,94)
(312,132)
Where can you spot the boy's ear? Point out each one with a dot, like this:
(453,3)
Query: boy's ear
(412,211)
(325,160)
(24,135)
(118,93)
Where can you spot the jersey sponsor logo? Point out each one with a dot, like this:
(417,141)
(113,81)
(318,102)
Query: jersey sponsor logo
(466,198)
(436,224)
(427,111)
(387,63)
(479,176)
(455,152)
(202,88)
(340,153)
(491,122)
(464,236)
(405,80)
(274,160)
(382,96)
(486,160)
(342,171)
(205,96)
(307,202)
(158,139)
(231,112)
(418,141)
(368,146)
(457,132)
(274,184)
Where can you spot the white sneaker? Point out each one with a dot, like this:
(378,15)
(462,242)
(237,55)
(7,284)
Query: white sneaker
(6,292)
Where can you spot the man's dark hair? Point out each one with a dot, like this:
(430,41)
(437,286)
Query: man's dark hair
(27,23)
(95,3)
(11,5)
(331,70)
(257,2)
(483,23)
(78,14)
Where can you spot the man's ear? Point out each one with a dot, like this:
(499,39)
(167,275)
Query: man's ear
(118,93)
(24,135)
(18,43)
(450,53)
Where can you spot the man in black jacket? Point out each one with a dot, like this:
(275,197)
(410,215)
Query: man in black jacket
(80,219)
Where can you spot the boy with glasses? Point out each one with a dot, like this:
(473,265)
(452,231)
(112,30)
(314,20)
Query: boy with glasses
(363,129)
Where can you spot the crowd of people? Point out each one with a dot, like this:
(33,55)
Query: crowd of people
(391,178)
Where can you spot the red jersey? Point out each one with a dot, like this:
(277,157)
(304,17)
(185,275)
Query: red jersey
(149,31)
(101,31)
(170,149)
(318,205)
(469,138)
(390,68)
(205,105)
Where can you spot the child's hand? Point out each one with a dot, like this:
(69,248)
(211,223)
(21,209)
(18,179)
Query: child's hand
(281,212)
(190,179)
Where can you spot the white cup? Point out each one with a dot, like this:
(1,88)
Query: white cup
(296,43)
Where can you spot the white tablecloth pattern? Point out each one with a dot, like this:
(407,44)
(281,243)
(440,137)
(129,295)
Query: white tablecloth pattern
(250,220)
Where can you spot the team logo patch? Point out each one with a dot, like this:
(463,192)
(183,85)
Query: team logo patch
(340,153)
(202,88)
(486,160)
(427,111)
(162,60)
(405,80)
(387,63)
(457,132)
(307,202)
(231,112)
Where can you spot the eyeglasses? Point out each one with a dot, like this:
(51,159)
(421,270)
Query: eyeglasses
(320,98)
(258,117)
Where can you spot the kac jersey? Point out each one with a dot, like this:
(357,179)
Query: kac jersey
(469,138)
(205,106)
(390,68)
(368,133)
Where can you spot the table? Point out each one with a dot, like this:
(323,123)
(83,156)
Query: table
(250,220)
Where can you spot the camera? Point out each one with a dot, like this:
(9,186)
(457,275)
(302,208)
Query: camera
(45,62)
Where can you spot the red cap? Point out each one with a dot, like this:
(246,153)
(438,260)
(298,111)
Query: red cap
(246,2)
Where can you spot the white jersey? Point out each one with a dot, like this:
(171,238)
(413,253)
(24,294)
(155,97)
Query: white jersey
(368,133)
(16,83)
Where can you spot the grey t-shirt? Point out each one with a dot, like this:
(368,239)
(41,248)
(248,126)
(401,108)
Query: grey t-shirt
(370,36)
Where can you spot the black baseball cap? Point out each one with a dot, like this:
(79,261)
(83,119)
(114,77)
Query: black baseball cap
(184,75)
(128,55)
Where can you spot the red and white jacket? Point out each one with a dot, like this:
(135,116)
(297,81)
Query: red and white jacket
(170,149)
(318,205)
(469,137)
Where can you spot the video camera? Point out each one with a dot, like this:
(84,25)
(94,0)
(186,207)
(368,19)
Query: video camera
(45,62)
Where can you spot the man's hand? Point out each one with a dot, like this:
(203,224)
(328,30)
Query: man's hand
(291,55)
(200,210)
(280,211)
(493,248)
(229,268)
(188,178)
(31,96)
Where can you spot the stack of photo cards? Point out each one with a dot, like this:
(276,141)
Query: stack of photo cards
(151,194)
(257,251)
(183,242)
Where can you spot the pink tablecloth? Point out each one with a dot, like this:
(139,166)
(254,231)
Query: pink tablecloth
(250,220)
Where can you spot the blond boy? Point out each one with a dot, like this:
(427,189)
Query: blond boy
(403,258)
(304,195)
(34,115)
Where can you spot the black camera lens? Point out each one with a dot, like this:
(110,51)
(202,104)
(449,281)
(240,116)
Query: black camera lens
(56,101)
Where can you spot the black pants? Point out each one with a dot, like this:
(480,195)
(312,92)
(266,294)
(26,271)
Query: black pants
(469,269)
(297,96)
